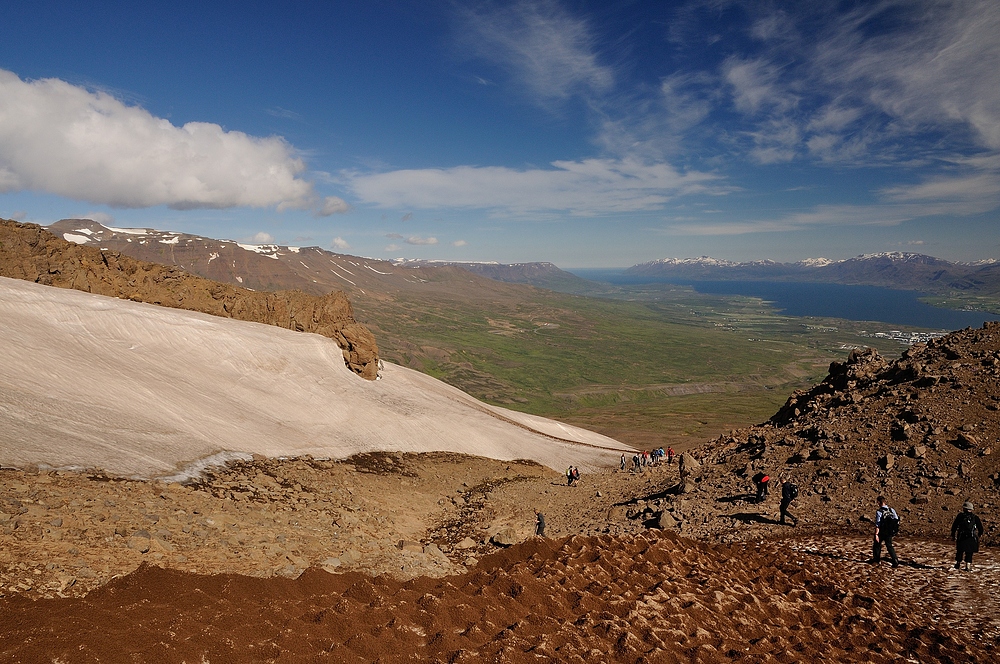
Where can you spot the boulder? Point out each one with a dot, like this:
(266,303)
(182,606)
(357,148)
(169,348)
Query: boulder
(687,486)
(887,461)
(917,452)
(413,547)
(140,541)
(504,538)
(966,441)
(689,466)
(666,520)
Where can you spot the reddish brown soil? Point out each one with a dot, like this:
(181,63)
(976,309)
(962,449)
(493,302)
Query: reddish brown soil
(650,598)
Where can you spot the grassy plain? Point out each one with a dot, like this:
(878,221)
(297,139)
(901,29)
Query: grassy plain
(655,365)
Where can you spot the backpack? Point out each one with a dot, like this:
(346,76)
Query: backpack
(889,525)
(967,529)
(790,491)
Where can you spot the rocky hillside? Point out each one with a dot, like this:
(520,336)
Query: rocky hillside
(32,253)
(922,430)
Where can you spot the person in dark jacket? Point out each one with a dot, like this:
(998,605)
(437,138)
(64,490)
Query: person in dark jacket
(539,524)
(966,531)
(761,480)
(789,492)
(882,533)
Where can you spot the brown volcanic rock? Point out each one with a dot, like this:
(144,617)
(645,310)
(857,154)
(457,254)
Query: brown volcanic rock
(919,430)
(32,253)
(652,598)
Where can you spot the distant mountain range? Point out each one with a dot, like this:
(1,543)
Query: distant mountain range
(890,270)
(309,269)
(317,271)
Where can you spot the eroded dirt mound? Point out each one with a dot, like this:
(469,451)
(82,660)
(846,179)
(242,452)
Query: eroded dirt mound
(32,253)
(642,599)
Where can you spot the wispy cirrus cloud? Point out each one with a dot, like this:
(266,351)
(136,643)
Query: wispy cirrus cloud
(946,197)
(547,51)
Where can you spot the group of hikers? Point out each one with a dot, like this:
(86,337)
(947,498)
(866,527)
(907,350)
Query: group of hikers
(648,458)
(966,530)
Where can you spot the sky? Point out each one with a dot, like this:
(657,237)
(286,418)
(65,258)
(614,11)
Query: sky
(587,134)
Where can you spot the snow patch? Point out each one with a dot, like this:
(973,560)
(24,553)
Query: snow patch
(85,231)
(78,239)
(173,240)
(129,231)
(212,256)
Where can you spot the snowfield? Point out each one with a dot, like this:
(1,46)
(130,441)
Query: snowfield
(141,390)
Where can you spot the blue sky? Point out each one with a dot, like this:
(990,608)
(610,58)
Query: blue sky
(589,134)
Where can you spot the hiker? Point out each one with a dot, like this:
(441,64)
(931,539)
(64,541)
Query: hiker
(789,492)
(761,480)
(966,531)
(886,527)
(576,474)
(635,462)
(623,461)
(569,476)
(539,524)
(670,455)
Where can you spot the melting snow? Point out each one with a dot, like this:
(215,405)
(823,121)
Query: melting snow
(79,239)
(195,386)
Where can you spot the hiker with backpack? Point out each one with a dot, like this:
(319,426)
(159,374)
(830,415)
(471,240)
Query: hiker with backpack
(886,527)
(761,480)
(789,492)
(966,531)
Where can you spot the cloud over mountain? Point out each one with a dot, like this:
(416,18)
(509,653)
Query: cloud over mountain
(64,139)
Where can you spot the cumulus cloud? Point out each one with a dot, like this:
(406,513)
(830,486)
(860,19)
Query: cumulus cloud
(416,239)
(459,243)
(262,238)
(339,243)
(333,205)
(590,187)
(102,218)
(88,145)
(393,247)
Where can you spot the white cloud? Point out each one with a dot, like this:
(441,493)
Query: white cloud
(590,187)
(548,51)
(394,236)
(339,243)
(66,140)
(262,238)
(459,243)
(416,239)
(972,189)
(393,247)
(102,218)
(333,205)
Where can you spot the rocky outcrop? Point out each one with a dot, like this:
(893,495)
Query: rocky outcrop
(31,253)
(920,430)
